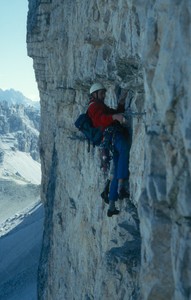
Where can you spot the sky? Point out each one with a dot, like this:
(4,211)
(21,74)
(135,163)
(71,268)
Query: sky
(16,68)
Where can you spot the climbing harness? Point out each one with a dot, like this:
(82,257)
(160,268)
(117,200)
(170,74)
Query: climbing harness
(107,145)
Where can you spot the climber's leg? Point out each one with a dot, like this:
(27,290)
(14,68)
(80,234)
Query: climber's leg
(113,195)
(122,145)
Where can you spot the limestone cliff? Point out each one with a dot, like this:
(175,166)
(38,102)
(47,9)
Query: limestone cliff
(139,45)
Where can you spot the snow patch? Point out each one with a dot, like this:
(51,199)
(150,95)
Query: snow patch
(18,166)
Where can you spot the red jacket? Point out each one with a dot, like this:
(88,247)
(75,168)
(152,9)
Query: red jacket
(101,114)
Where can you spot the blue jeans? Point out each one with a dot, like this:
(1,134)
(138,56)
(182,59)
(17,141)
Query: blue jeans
(121,163)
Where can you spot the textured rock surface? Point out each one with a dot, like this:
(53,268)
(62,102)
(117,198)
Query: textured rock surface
(143,46)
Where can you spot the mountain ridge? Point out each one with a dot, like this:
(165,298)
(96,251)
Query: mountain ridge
(12,96)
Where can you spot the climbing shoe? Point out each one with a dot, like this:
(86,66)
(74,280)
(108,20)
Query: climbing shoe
(110,213)
(104,196)
(123,193)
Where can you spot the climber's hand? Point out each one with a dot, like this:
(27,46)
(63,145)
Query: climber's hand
(118,117)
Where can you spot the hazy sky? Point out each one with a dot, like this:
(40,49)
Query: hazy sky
(16,70)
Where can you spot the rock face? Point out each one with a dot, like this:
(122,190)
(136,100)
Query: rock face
(139,45)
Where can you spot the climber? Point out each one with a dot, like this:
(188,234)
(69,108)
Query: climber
(103,116)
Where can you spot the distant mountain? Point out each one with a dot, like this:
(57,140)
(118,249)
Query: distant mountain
(19,124)
(15,97)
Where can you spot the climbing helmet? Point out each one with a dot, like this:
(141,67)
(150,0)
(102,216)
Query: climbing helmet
(96,87)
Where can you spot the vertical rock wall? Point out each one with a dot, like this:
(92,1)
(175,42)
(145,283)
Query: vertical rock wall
(139,45)
(164,206)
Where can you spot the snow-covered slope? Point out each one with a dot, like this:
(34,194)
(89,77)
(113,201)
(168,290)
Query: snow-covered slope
(19,166)
(21,224)
(20,178)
